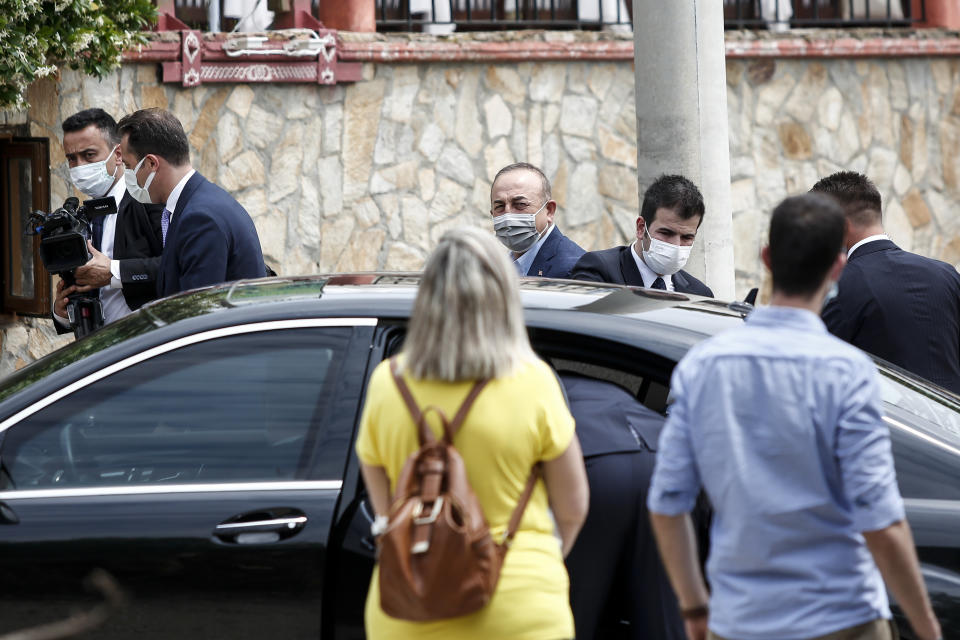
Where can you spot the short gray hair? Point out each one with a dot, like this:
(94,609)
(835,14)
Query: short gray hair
(526,166)
(467,321)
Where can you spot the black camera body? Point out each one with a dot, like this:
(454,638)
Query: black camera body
(63,247)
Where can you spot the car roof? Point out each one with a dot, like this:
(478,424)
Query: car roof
(665,323)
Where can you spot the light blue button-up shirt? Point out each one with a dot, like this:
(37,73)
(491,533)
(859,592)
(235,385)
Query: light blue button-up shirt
(524,262)
(780,422)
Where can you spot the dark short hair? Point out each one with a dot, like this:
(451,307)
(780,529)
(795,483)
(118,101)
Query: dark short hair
(806,236)
(672,192)
(856,193)
(526,166)
(96,117)
(155,131)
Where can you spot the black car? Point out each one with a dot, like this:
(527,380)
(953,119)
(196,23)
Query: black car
(201,450)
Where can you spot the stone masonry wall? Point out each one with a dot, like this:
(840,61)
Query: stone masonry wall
(368,175)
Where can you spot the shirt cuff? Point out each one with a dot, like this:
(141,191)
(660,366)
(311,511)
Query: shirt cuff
(115,272)
(878,509)
(671,503)
(63,322)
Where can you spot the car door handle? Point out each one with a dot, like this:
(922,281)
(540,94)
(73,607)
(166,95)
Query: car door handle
(261,527)
(277,524)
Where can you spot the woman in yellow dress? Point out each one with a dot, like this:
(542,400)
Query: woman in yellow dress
(467,324)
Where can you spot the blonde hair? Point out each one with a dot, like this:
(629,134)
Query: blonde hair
(467,321)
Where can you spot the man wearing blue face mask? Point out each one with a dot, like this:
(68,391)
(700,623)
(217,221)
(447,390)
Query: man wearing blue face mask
(666,228)
(523,213)
(126,245)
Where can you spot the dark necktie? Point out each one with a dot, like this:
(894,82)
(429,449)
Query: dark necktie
(98,233)
(164,224)
(659,284)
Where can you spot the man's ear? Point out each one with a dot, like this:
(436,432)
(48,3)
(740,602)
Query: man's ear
(551,210)
(641,227)
(765,256)
(838,266)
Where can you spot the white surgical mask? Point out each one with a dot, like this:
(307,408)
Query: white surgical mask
(92,179)
(518,231)
(138,193)
(665,258)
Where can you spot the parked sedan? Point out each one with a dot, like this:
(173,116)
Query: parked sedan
(201,450)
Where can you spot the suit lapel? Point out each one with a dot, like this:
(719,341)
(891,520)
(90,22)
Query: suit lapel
(120,231)
(546,253)
(680,282)
(628,268)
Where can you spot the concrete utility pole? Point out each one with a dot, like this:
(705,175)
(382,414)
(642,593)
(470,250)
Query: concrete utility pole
(681,88)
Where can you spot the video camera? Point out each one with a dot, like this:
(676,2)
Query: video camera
(63,247)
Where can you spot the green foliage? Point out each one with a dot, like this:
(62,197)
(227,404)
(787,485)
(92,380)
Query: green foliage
(37,36)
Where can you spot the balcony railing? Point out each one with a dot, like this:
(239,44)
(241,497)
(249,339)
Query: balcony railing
(485,15)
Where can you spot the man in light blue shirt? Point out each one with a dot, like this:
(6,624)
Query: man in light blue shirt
(780,423)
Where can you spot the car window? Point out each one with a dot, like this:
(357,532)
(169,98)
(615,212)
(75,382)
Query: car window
(237,408)
(925,435)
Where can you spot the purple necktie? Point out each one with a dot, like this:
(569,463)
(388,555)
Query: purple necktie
(164,224)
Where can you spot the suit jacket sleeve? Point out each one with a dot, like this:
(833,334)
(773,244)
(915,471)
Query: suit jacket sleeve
(203,251)
(140,255)
(589,267)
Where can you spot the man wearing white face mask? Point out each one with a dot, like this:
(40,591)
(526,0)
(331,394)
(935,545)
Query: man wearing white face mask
(208,237)
(666,228)
(126,245)
(523,213)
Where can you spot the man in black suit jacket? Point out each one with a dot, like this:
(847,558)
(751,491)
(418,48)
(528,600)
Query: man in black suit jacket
(615,570)
(897,305)
(523,218)
(666,228)
(126,245)
(208,237)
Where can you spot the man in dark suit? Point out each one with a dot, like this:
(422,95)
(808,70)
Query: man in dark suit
(208,237)
(523,212)
(126,245)
(897,305)
(666,228)
(616,575)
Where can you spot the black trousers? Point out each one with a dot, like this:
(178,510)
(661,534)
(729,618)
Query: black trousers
(618,586)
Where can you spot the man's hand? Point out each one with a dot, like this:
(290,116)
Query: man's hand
(96,273)
(60,304)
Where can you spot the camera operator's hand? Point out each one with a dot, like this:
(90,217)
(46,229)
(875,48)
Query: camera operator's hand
(96,273)
(60,304)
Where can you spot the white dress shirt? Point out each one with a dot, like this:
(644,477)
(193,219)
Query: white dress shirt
(879,236)
(647,273)
(174,196)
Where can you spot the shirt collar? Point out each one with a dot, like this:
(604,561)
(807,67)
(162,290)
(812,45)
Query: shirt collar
(647,273)
(171,205)
(525,261)
(786,318)
(879,236)
(117,192)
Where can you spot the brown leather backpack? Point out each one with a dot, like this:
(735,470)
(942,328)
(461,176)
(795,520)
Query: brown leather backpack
(437,557)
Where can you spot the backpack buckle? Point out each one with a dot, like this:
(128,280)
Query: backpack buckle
(419,518)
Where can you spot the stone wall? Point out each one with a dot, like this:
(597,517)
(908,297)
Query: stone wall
(368,175)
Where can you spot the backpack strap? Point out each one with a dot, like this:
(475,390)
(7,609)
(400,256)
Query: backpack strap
(465,408)
(423,431)
(517,514)
(449,428)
